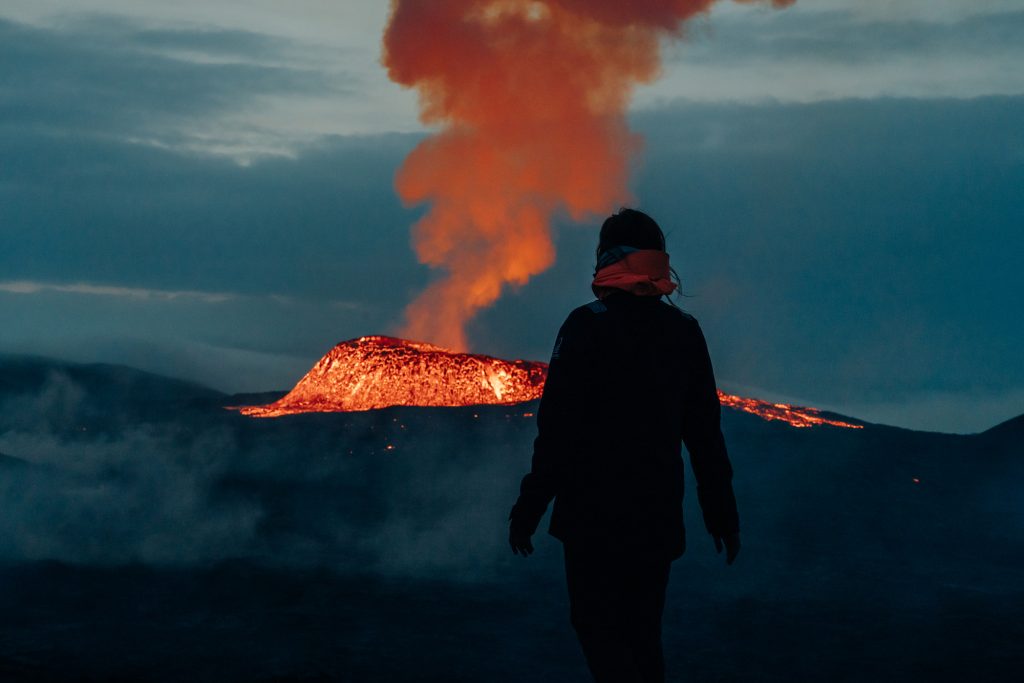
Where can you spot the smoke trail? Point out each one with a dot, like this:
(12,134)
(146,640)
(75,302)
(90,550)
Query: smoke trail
(531,97)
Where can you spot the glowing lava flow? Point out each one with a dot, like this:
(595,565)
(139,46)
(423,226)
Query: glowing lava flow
(377,372)
(798,416)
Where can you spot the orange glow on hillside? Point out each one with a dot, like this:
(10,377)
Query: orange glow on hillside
(798,416)
(377,372)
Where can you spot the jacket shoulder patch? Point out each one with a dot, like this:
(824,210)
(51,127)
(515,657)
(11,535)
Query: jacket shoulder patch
(686,316)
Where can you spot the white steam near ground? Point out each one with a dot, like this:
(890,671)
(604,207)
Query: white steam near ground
(189,490)
(123,467)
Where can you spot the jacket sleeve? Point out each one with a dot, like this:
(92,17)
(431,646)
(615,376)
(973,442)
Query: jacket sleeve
(702,434)
(560,407)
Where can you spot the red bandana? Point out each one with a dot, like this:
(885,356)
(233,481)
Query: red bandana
(644,272)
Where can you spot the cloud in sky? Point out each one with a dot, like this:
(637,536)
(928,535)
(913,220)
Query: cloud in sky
(244,78)
(806,54)
(33,287)
(144,294)
(281,75)
(106,77)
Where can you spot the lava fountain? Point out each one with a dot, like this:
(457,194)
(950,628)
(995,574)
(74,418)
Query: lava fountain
(378,372)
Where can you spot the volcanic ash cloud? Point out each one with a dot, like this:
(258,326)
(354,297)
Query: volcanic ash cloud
(529,98)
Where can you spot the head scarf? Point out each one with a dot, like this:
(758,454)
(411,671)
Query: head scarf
(644,272)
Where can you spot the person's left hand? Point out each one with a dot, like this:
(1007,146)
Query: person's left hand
(520,541)
(732,546)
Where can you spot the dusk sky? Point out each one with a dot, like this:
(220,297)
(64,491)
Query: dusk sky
(205,189)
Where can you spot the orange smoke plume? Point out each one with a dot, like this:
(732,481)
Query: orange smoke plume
(531,98)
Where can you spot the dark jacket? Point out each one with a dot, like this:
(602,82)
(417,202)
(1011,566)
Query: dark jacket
(630,381)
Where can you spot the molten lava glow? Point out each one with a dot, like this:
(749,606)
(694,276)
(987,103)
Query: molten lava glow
(531,98)
(377,372)
(798,416)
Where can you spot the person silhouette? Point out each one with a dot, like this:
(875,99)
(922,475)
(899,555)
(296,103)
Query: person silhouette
(630,380)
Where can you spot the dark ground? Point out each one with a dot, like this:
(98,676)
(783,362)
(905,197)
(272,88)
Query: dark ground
(148,535)
(236,622)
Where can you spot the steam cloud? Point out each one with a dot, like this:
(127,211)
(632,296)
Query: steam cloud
(121,467)
(84,478)
(531,97)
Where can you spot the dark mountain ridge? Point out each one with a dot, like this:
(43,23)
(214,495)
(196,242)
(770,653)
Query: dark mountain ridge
(124,386)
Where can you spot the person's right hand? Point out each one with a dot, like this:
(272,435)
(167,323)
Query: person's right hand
(732,546)
(520,541)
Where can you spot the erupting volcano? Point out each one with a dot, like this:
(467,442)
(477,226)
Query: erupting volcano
(377,372)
